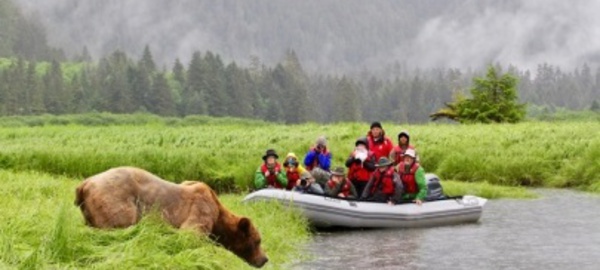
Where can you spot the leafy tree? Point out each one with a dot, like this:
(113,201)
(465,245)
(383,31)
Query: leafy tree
(494,99)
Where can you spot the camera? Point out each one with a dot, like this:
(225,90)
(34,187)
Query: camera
(303,183)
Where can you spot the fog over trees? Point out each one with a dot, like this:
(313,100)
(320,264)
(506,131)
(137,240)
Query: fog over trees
(291,61)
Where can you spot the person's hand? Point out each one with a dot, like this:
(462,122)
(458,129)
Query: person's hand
(341,195)
(267,173)
(418,202)
(390,202)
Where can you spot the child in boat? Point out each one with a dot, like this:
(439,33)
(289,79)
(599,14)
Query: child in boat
(270,174)
(339,186)
(293,170)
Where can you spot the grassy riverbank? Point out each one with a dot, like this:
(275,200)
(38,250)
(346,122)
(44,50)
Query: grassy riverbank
(40,228)
(225,152)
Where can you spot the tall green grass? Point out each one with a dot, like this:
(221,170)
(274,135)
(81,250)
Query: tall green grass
(40,228)
(225,152)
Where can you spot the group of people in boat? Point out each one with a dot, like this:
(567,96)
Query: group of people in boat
(378,170)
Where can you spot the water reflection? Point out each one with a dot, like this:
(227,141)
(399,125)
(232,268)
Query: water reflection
(559,231)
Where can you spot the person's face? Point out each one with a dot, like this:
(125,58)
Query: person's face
(271,160)
(376,132)
(403,140)
(337,178)
(361,147)
(408,159)
(382,169)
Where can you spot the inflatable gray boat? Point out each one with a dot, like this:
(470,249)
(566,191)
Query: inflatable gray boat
(324,211)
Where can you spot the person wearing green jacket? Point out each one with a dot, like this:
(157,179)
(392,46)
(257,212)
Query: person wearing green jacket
(412,176)
(270,174)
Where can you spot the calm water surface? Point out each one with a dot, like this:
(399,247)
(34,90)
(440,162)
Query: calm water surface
(560,230)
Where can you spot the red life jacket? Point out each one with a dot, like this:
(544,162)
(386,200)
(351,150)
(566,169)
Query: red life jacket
(272,178)
(292,178)
(381,148)
(346,189)
(398,151)
(359,173)
(315,162)
(384,181)
(408,179)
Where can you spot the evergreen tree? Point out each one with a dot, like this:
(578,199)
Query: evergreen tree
(193,100)
(55,95)
(494,99)
(115,89)
(147,60)
(160,99)
(213,77)
(237,87)
(346,104)
(35,95)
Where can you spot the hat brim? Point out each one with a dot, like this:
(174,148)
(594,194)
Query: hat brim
(384,165)
(271,155)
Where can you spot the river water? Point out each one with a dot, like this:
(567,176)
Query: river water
(560,230)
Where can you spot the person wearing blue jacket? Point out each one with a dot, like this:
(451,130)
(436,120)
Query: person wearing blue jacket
(318,161)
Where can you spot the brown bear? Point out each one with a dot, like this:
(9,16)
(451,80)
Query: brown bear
(119,197)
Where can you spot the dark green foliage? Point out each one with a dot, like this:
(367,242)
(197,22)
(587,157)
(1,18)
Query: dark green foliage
(494,100)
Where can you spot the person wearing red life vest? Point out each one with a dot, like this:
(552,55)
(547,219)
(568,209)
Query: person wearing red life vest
(339,186)
(270,174)
(384,185)
(413,179)
(403,144)
(293,170)
(361,164)
(379,144)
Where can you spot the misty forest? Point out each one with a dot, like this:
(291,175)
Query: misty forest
(287,61)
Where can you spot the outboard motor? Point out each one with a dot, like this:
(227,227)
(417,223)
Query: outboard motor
(434,187)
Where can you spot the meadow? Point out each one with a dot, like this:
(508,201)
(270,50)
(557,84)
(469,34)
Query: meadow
(225,152)
(43,158)
(40,228)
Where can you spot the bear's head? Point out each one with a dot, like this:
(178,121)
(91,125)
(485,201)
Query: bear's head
(244,241)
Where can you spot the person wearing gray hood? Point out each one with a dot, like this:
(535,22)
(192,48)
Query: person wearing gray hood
(398,151)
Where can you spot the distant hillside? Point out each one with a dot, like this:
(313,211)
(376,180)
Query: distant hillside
(334,35)
(20,36)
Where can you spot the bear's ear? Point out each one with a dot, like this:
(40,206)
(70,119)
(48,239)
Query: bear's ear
(244,225)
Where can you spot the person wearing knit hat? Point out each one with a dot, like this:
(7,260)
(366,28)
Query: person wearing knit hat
(384,185)
(361,164)
(339,186)
(293,170)
(379,144)
(270,174)
(318,159)
(397,153)
(413,179)
(306,184)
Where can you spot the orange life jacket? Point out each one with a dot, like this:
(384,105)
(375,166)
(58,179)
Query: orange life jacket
(408,179)
(384,181)
(272,178)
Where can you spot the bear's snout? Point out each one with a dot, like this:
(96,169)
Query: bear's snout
(261,262)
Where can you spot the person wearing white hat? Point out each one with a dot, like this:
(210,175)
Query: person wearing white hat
(412,176)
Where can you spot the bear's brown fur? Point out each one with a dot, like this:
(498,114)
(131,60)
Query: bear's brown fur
(119,197)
